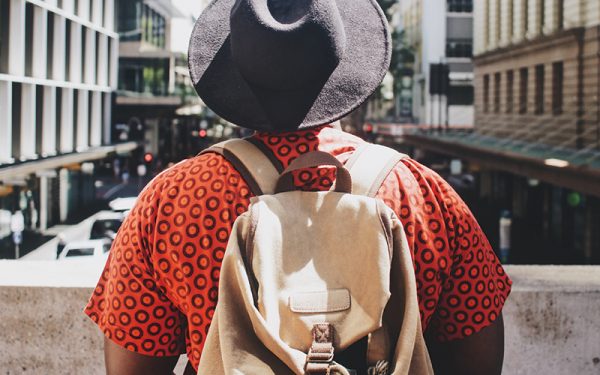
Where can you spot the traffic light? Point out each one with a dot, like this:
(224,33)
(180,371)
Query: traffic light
(439,79)
(148,158)
(202,133)
(369,130)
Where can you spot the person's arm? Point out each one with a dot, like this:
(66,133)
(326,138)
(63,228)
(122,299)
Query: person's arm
(479,354)
(120,361)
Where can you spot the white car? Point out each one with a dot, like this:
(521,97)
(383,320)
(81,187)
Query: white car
(88,249)
(106,224)
(122,204)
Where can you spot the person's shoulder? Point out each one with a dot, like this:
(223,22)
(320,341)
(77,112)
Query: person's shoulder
(184,176)
(421,172)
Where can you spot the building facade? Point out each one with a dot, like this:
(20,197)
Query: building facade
(58,70)
(538,71)
(534,153)
(440,31)
(153,82)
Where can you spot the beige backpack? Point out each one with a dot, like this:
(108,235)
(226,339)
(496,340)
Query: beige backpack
(309,276)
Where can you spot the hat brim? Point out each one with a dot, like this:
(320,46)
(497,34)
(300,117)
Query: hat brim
(224,90)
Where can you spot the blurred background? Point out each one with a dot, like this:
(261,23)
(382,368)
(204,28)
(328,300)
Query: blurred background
(501,97)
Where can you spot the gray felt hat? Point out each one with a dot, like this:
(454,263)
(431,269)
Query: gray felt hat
(280,65)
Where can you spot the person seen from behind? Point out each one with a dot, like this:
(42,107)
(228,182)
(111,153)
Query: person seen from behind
(288,70)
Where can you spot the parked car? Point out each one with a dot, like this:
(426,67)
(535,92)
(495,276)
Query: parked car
(106,225)
(122,204)
(86,249)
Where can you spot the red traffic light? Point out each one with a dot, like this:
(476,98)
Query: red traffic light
(202,133)
(368,128)
(148,157)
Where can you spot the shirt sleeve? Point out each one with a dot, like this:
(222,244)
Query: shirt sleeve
(460,282)
(127,304)
(476,286)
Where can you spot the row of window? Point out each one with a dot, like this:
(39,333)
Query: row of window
(73,52)
(537,25)
(460,6)
(48,120)
(136,21)
(459,48)
(148,76)
(522,90)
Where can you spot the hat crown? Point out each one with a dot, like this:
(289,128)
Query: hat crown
(286,44)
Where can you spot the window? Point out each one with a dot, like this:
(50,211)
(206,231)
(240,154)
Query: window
(50,44)
(523,89)
(84,47)
(67,59)
(75,117)
(486,93)
(460,6)
(488,24)
(460,95)
(28,39)
(539,89)
(129,20)
(4,14)
(510,20)
(39,117)
(557,88)
(85,251)
(510,87)
(459,48)
(542,13)
(560,14)
(525,16)
(16,119)
(58,115)
(497,82)
(144,75)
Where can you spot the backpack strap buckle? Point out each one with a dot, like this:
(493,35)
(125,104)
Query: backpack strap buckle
(320,354)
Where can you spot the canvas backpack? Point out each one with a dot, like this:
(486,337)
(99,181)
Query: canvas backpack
(309,276)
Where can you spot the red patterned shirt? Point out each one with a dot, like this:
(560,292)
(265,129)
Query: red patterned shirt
(158,292)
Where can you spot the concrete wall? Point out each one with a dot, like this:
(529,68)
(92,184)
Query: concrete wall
(551,320)
(43,331)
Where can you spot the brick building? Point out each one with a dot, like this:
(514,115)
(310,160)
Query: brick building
(534,152)
(538,71)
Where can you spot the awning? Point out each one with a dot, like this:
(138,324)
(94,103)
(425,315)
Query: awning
(574,169)
(23,169)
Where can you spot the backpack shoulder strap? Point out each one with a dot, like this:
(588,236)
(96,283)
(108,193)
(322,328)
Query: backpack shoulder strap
(253,165)
(369,166)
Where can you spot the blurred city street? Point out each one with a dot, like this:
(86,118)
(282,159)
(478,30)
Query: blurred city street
(499,97)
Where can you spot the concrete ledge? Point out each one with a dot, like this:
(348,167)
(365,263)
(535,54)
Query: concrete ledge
(52,273)
(551,318)
(43,331)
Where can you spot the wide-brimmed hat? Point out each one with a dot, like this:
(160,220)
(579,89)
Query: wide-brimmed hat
(280,65)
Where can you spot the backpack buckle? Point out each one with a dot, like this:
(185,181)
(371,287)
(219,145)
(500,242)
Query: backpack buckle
(320,353)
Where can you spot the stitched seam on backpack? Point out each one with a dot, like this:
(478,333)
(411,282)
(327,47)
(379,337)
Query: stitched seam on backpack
(308,308)
(387,229)
(249,251)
